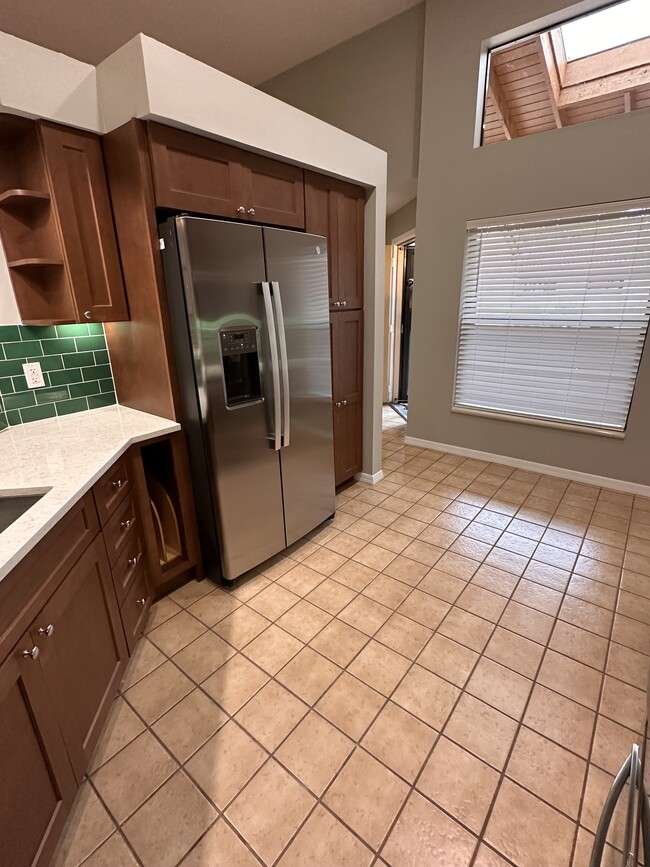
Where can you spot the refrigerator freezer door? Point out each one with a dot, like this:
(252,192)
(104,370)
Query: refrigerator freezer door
(222,268)
(297,263)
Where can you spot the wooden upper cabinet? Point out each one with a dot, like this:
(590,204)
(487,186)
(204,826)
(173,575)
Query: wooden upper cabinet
(38,784)
(75,167)
(274,192)
(193,173)
(56,224)
(336,209)
(83,658)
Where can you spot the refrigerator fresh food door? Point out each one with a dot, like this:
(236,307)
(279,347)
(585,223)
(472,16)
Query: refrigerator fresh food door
(296,267)
(236,370)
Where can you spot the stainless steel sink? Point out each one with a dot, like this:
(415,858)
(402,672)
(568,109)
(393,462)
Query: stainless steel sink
(12,506)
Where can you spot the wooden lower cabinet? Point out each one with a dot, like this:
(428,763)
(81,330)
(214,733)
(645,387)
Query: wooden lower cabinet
(84,656)
(38,785)
(347,392)
(348,446)
(65,638)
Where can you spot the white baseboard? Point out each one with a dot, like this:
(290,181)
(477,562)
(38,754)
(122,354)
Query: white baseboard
(560,472)
(369,478)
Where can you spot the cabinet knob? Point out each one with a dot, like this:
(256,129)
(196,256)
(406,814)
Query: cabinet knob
(344,402)
(32,654)
(133,561)
(241,209)
(46,630)
(117,484)
(126,524)
(251,212)
(344,303)
(141,602)
(337,403)
(88,314)
(337,303)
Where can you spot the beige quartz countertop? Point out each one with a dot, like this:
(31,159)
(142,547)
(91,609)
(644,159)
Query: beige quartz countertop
(65,457)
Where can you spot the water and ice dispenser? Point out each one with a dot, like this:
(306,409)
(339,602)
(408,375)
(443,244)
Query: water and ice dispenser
(241,365)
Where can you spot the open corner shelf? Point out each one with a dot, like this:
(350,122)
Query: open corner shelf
(19,264)
(22,198)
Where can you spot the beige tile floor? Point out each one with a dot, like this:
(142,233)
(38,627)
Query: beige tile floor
(448,674)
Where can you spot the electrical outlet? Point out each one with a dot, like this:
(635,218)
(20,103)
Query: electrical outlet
(33,375)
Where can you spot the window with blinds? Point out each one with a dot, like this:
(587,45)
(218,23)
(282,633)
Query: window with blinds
(553,316)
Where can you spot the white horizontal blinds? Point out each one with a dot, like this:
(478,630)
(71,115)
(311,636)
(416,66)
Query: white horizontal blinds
(554,316)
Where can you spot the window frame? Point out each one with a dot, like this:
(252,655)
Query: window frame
(523,219)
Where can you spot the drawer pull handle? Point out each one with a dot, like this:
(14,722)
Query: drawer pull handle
(344,402)
(46,630)
(126,524)
(117,484)
(133,561)
(31,654)
(337,303)
(241,209)
(141,602)
(251,212)
(344,303)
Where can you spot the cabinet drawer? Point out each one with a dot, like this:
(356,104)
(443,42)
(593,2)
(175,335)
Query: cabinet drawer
(135,608)
(111,489)
(121,528)
(127,564)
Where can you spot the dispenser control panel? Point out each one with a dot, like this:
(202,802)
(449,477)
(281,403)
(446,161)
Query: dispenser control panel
(237,340)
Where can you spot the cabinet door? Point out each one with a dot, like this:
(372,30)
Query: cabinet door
(347,387)
(38,786)
(193,173)
(336,209)
(274,192)
(84,656)
(350,206)
(75,168)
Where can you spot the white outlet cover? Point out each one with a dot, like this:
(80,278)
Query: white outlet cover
(33,375)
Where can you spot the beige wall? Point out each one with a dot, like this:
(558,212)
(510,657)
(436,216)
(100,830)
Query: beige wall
(401,221)
(602,161)
(370,87)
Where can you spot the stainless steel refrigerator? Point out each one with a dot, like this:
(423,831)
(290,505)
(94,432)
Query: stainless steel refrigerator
(250,321)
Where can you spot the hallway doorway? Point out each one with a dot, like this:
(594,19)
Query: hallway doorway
(400,313)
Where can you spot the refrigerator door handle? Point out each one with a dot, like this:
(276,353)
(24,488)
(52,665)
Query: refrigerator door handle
(275,366)
(632,808)
(607,813)
(284,365)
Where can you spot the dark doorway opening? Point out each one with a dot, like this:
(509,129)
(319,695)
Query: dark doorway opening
(401,401)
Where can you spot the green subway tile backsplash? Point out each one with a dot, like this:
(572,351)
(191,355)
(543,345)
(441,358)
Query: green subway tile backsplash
(75,366)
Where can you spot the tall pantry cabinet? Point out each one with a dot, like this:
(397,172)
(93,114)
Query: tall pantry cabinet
(336,209)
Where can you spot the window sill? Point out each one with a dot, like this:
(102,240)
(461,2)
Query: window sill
(538,422)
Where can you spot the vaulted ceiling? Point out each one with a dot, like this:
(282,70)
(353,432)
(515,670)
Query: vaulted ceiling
(252,40)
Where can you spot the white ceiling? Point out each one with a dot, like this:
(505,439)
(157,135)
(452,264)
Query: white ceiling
(252,40)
